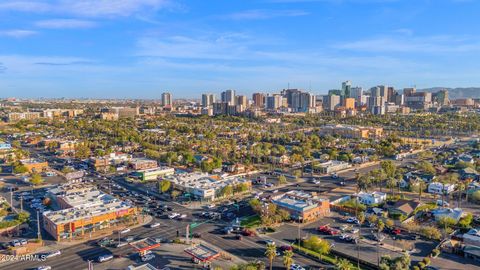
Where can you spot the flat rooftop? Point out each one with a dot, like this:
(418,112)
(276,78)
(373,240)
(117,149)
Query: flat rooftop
(204,181)
(32,161)
(78,213)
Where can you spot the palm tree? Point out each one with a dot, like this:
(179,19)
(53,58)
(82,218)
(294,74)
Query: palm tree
(271,253)
(287,259)
(343,264)
(421,187)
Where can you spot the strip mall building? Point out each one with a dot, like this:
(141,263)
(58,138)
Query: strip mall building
(83,210)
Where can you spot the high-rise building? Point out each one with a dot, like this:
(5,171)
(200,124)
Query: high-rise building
(229,97)
(167,99)
(346,88)
(349,103)
(274,102)
(258,100)
(208,100)
(290,95)
(357,94)
(242,101)
(331,102)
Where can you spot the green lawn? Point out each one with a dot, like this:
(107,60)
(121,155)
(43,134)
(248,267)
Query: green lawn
(251,222)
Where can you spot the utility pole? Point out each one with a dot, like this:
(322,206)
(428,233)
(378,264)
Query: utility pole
(39,233)
(11,200)
(21,203)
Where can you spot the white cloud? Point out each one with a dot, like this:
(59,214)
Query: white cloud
(261,14)
(65,24)
(87,8)
(17,33)
(430,44)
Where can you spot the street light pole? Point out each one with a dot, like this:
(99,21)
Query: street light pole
(39,233)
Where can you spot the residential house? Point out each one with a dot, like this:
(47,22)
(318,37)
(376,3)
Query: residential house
(404,207)
(455,213)
(371,198)
(440,188)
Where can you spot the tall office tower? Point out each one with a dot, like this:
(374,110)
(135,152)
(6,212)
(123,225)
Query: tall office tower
(288,95)
(375,91)
(258,100)
(208,100)
(229,97)
(274,102)
(383,91)
(307,101)
(391,93)
(357,93)
(409,91)
(243,101)
(331,102)
(166,99)
(346,88)
(335,92)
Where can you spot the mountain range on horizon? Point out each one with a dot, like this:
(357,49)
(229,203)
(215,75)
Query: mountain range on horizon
(458,92)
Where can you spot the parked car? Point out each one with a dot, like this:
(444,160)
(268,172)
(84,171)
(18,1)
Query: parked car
(44,267)
(154,225)
(148,257)
(286,247)
(104,258)
(296,267)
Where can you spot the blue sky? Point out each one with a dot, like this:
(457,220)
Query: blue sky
(141,48)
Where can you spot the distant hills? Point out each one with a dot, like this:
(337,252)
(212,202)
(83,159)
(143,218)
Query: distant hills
(454,93)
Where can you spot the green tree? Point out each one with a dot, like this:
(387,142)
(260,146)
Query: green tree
(19,169)
(226,191)
(282,179)
(36,179)
(271,253)
(344,264)
(317,244)
(175,193)
(165,186)
(287,259)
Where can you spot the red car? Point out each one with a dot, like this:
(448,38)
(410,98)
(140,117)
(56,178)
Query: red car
(333,232)
(285,248)
(324,228)
(248,233)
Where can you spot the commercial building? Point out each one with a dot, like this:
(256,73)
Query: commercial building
(356,132)
(84,209)
(143,164)
(155,173)
(349,103)
(126,112)
(34,165)
(206,187)
(302,206)
(274,102)
(331,166)
(331,102)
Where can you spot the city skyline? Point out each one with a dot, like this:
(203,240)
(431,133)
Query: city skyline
(140,49)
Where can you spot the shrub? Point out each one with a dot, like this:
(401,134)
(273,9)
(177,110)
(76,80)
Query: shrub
(421,265)
(416,268)
(426,261)
(435,252)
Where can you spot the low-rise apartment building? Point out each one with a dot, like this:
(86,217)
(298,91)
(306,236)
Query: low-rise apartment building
(354,132)
(331,166)
(143,164)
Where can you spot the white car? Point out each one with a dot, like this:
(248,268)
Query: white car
(125,231)
(316,182)
(104,258)
(296,267)
(44,267)
(53,253)
(154,225)
(173,215)
(182,216)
